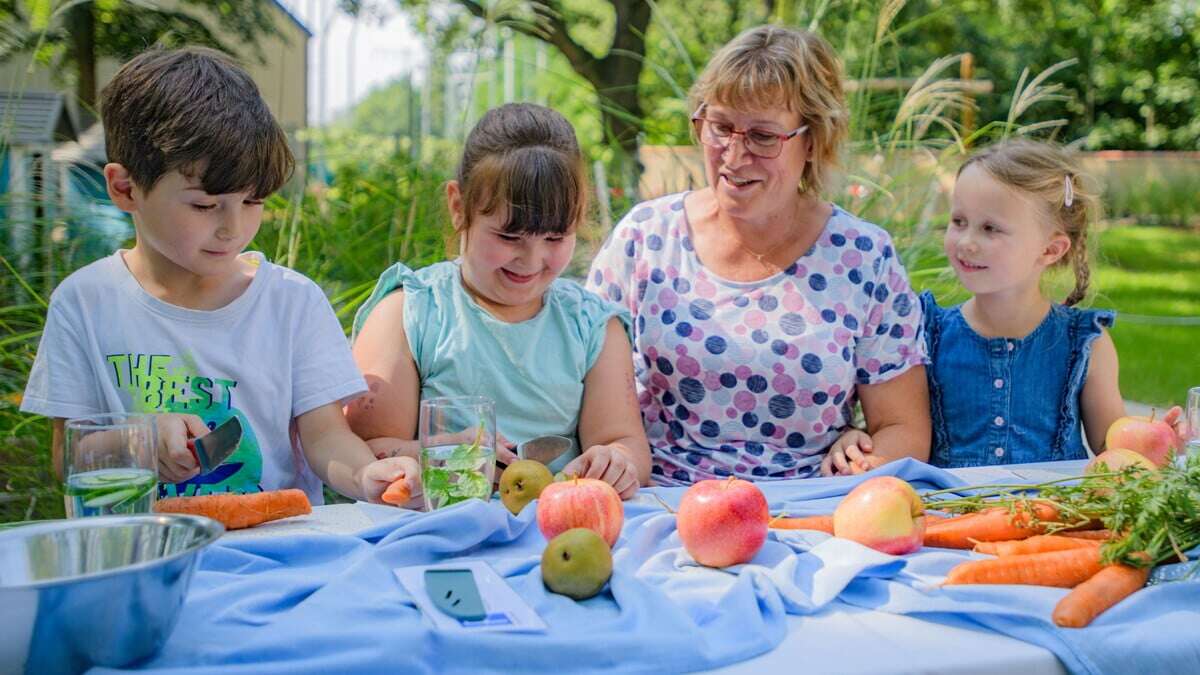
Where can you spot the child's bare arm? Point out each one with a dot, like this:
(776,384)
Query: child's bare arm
(57,445)
(897,413)
(610,422)
(344,462)
(1100,402)
(389,408)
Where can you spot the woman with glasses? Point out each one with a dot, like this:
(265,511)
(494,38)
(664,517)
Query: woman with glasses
(762,312)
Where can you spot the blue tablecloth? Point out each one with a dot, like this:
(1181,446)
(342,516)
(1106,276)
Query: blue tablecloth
(332,604)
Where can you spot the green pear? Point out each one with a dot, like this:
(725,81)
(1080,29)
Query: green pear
(577,563)
(522,482)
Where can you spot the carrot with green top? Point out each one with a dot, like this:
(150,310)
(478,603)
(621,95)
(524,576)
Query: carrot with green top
(1064,569)
(1042,543)
(1094,535)
(994,524)
(237,511)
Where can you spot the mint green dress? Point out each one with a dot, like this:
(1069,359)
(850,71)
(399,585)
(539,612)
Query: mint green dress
(534,370)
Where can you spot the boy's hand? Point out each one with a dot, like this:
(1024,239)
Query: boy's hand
(609,464)
(375,477)
(175,462)
(850,455)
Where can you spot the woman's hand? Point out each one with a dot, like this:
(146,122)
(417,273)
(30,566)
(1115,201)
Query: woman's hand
(609,464)
(851,455)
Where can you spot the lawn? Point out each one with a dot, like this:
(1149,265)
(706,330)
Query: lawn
(1151,276)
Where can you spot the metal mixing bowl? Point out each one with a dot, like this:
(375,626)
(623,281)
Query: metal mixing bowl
(94,591)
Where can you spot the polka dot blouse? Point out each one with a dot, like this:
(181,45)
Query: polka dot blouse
(755,379)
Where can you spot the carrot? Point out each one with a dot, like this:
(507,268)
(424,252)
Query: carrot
(1094,535)
(1093,597)
(1064,569)
(236,511)
(820,523)
(398,492)
(1042,543)
(996,524)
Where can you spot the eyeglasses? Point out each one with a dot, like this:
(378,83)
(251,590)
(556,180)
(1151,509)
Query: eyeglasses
(758,142)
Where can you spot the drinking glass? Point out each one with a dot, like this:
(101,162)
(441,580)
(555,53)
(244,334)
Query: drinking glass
(458,449)
(110,465)
(1191,423)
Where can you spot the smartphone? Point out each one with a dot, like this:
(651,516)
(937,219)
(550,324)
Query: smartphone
(454,592)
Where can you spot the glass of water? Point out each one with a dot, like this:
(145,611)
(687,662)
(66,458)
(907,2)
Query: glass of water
(458,449)
(110,465)
(1191,423)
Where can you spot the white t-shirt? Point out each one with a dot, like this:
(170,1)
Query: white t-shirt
(274,353)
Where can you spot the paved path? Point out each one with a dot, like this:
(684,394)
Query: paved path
(1135,408)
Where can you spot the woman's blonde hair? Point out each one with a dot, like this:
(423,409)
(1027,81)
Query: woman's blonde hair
(772,65)
(1052,176)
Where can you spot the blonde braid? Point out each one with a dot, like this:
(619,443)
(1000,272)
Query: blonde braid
(1083,272)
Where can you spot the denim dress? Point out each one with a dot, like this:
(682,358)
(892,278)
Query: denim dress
(1006,401)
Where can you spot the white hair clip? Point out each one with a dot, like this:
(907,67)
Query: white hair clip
(1068,191)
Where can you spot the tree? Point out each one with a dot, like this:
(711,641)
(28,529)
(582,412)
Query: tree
(71,36)
(611,59)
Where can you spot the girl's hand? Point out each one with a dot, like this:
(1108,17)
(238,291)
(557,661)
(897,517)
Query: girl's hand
(850,455)
(868,463)
(609,464)
(1174,417)
(504,451)
(175,462)
(375,477)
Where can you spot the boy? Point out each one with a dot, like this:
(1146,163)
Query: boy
(186,326)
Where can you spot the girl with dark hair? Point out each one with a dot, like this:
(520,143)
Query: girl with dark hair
(498,321)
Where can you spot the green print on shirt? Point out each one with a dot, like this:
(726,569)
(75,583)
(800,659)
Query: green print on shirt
(160,383)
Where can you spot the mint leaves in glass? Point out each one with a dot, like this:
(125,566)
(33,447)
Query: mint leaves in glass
(458,449)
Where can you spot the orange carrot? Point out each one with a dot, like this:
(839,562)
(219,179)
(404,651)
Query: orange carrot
(820,523)
(398,492)
(1042,543)
(236,511)
(996,524)
(1094,535)
(1093,597)
(825,523)
(1064,569)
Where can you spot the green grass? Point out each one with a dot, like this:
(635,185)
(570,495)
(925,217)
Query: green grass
(1149,275)
(1152,271)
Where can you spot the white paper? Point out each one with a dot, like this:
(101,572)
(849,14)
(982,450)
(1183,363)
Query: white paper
(506,611)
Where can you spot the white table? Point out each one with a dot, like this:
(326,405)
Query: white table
(918,646)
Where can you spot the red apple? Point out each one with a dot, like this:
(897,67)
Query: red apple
(723,522)
(1117,459)
(1153,438)
(580,502)
(884,513)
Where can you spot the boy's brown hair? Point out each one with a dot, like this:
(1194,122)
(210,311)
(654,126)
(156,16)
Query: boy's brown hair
(193,110)
(525,159)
